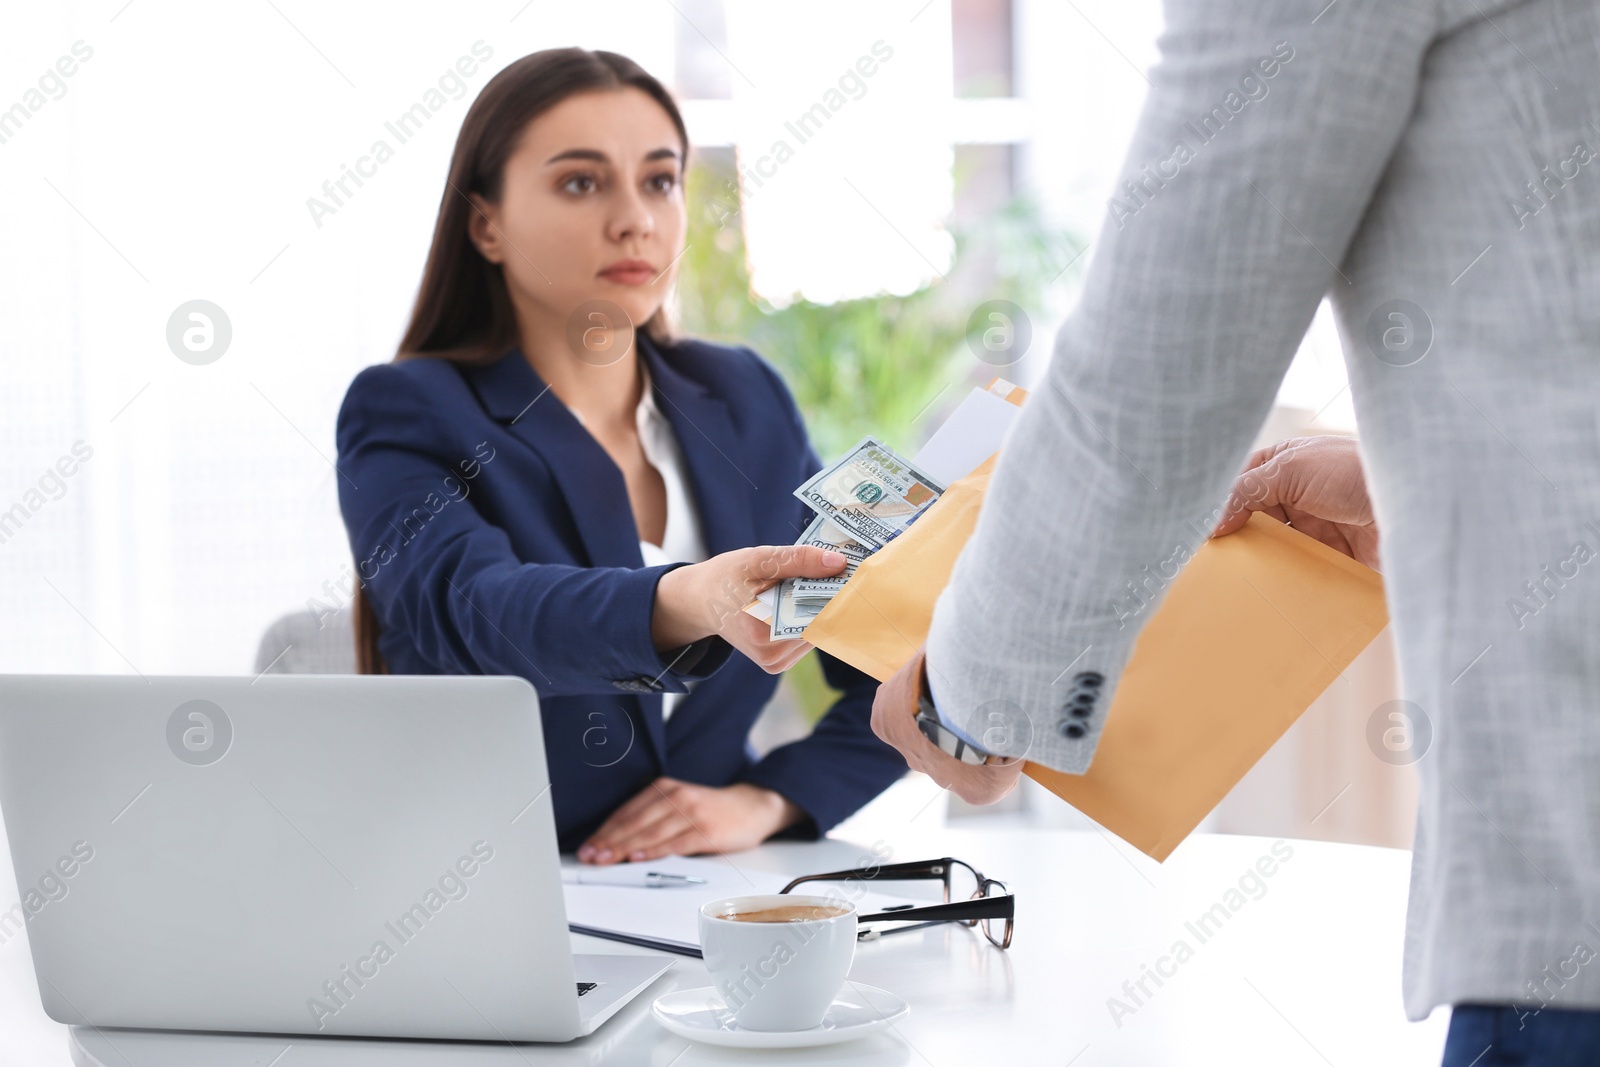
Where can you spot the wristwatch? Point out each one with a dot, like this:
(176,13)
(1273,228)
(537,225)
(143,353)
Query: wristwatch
(942,736)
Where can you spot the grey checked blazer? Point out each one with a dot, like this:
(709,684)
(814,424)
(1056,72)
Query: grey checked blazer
(1434,166)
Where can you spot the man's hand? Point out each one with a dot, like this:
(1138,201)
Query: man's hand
(673,818)
(709,598)
(1316,485)
(894,721)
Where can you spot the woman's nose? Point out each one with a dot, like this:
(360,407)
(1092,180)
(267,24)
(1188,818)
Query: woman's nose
(632,217)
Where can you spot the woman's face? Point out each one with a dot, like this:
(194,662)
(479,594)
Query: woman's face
(591,208)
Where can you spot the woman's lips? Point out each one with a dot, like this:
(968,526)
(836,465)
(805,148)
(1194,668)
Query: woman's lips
(629,272)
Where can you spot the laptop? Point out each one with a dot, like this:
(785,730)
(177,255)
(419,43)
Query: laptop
(329,855)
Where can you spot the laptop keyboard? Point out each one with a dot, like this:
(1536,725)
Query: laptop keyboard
(584,987)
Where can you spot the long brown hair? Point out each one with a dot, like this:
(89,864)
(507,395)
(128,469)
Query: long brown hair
(463,311)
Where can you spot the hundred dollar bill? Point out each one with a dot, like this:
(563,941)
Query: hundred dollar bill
(826,534)
(872,493)
(799,600)
(790,617)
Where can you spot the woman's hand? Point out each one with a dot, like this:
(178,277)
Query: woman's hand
(708,598)
(673,818)
(1316,485)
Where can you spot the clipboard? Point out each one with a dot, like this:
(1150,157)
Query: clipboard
(668,919)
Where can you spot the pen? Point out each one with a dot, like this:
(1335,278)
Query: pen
(625,877)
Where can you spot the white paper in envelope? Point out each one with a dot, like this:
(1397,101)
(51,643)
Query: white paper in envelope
(975,430)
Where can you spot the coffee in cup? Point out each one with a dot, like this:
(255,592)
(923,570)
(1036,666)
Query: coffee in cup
(790,913)
(778,960)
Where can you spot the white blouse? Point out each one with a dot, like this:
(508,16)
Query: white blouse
(683,541)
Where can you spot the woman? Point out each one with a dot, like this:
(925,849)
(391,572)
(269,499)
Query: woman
(535,487)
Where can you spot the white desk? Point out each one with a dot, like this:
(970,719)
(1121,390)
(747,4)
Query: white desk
(1309,973)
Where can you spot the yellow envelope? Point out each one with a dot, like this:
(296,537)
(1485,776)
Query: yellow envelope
(1251,632)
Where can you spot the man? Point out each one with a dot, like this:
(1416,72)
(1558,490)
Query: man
(1430,164)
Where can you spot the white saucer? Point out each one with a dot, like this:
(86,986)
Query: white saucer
(857,1011)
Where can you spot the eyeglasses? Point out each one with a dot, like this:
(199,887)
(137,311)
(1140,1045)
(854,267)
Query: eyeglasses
(970,898)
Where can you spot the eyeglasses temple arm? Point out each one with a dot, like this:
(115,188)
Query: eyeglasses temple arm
(887,871)
(981,908)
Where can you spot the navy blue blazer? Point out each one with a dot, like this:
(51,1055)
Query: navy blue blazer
(493,535)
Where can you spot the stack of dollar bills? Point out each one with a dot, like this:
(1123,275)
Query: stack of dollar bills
(863,501)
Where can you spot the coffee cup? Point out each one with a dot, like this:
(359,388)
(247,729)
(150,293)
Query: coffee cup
(778,960)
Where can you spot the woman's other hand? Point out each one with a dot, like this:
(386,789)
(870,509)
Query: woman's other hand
(673,818)
(1315,484)
(709,598)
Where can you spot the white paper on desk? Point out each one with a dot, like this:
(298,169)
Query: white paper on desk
(674,914)
(974,431)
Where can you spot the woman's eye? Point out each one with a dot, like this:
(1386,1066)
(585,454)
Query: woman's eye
(579,184)
(663,183)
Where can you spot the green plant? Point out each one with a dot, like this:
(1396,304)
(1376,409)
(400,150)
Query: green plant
(876,363)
